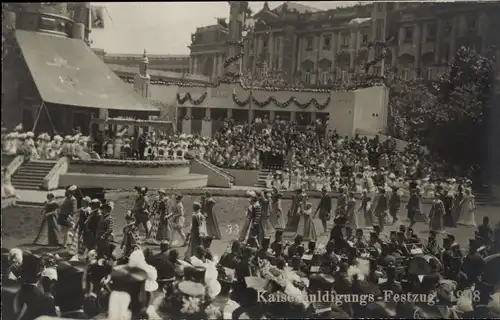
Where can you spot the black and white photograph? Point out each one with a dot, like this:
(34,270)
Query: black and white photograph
(250,160)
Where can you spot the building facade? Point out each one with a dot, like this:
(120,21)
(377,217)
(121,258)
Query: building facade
(312,47)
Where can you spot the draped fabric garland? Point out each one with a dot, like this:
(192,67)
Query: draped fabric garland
(272,99)
(236,43)
(187,97)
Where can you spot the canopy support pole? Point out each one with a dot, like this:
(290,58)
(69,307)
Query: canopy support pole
(44,106)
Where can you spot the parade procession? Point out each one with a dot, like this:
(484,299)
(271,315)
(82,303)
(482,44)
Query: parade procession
(335,189)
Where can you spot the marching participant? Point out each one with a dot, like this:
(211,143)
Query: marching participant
(49,230)
(105,237)
(178,220)
(66,212)
(324,208)
(208,204)
(90,233)
(198,231)
(276,215)
(131,239)
(380,209)
(141,209)
(161,227)
(77,245)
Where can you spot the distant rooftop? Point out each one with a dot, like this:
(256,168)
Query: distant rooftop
(140,55)
(296,6)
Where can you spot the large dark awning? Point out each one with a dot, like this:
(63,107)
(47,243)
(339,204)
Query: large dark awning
(67,72)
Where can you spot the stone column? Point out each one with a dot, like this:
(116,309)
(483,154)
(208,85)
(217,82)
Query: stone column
(229,113)
(334,50)
(250,115)
(299,54)
(103,114)
(352,48)
(186,124)
(439,36)
(270,45)
(214,66)
(281,52)
(195,65)
(418,44)
(206,126)
(272,115)
(293,115)
(453,39)
(220,68)
(313,116)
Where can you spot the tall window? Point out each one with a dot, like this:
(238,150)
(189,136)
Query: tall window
(309,44)
(365,39)
(327,42)
(345,39)
(307,77)
(405,73)
(431,32)
(408,35)
(472,23)
(379,29)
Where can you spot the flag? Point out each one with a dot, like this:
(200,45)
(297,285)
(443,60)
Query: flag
(97,16)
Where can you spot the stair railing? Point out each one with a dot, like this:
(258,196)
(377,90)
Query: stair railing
(217,169)
(51,180)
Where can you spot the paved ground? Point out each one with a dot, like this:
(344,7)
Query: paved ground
(19,224)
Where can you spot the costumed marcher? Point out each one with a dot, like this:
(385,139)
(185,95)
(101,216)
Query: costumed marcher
(380,207)
(306,226)
(467,216)
(179,220)
(457,205)
(324,208)
(105,229)
(49,230)
(394,204)
(141,209)
(68,209)
(212,222)
(365,208)
(448,202)
(265,203)
(198,231)
(77,245)
(93,221)
(295,211)
(161,228)
(253,223)
(276,215)
(351,213)
(131,239)
(436,215)
(413,206)
(484,233)
(341,202)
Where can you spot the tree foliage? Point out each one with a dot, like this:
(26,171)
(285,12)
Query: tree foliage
(448,116)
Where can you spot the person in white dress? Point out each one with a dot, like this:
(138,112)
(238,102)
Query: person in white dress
(7,188)
(467,214)
(269,180)
(286,180)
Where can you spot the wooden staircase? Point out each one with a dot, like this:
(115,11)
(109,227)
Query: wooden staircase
(30,174)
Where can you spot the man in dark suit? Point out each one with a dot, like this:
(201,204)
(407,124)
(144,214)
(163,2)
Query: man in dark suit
(142,145)
(163,264)
(30,301)
(324,208)
(69,293)
(473,264)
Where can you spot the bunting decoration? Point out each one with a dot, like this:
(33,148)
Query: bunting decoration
(188,97)
(285,104)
